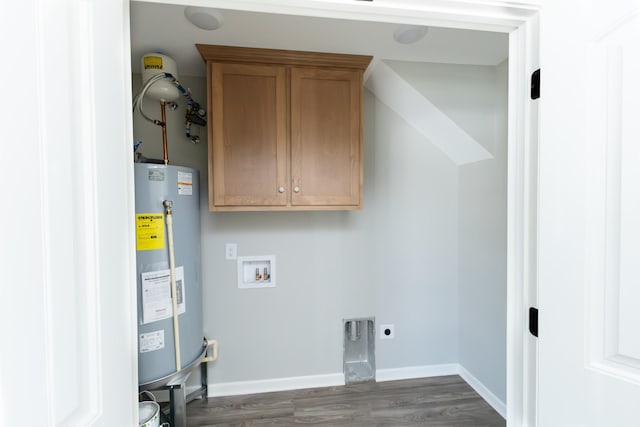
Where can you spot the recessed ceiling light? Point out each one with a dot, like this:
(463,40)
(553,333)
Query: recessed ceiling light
(407,34)
(203,18)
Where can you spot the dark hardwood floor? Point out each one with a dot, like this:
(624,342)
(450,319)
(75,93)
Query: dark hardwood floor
(438,401)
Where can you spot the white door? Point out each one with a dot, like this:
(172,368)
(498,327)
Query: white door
(68,346)
(589,229)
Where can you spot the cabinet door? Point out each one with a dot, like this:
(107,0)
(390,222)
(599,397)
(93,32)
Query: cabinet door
(248,164)
(325,137)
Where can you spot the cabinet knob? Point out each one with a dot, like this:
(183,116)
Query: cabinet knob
(296,189)
(280,189)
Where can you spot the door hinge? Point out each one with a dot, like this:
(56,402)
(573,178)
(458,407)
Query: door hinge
(533,321)
(535,84)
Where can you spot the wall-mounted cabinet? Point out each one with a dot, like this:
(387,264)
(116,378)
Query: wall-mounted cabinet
(285,129)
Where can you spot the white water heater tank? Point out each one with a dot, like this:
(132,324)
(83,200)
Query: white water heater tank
(157,63)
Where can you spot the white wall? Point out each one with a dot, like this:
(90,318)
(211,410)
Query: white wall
(397,259)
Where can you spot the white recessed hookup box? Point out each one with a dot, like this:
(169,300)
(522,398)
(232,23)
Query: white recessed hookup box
(257,271)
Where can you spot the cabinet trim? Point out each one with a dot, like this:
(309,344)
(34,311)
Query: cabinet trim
(218,53)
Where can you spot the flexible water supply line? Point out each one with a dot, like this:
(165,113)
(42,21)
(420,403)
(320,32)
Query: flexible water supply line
(197,117)
(185,92)
(137,100)
(168,205)
(165,151)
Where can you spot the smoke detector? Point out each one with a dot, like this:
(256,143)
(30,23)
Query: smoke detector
(203,17)
(407,34)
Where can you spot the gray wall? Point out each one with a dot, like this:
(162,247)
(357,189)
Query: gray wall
(475,97)
(412,205)
(482,256)
(397,259)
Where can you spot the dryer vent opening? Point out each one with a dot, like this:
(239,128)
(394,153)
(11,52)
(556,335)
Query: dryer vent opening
(359,350)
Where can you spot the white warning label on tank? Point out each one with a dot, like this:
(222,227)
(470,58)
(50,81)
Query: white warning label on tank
(151,341)
(185,183)
(156,295)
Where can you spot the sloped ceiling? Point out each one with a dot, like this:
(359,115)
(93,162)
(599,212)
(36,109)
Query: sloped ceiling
(398,94)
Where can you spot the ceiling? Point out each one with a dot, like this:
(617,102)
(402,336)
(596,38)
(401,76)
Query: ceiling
(164,28)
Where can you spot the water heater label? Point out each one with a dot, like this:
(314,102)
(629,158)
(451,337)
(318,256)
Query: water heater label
(152,62)
(151,341)
(155,175)
(156,295)
(149,231)
(185,183)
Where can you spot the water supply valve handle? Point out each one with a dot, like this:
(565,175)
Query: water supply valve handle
(168,205)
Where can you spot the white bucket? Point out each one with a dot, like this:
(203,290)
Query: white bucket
(148,414)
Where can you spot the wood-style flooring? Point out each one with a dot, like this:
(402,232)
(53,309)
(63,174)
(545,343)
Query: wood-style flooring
(437,401)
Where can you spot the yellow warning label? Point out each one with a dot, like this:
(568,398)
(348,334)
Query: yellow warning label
(149,231)
(152,62)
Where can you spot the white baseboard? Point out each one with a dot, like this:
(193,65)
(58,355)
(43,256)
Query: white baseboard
(276,384)
(440,370)
(329,380)
(483,391)
(411,372)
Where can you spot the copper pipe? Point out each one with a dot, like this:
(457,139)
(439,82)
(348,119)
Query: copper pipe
(165,151)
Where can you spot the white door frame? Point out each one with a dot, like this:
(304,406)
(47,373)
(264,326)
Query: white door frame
(520,21)
(67,249)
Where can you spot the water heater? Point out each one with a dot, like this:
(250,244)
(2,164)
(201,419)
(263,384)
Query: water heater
(156,184)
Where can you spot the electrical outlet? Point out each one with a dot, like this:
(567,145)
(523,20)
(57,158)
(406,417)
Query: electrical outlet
(231,251)
(387,332)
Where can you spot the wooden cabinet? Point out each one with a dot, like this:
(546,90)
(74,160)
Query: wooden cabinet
(285,129)
(248,156)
